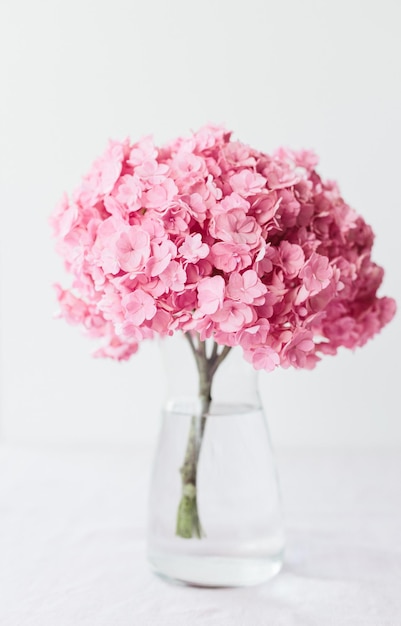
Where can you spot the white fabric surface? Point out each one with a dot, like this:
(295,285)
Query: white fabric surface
(72,544)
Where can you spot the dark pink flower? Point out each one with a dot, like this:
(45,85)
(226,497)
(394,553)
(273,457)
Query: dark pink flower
(292,258)
(315,274)
(299,352)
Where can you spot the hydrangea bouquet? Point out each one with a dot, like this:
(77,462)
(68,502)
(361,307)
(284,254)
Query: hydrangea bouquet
(226,244)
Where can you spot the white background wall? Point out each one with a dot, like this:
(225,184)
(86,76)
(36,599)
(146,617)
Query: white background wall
(317,74)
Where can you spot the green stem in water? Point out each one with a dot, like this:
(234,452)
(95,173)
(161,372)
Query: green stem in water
(188,522)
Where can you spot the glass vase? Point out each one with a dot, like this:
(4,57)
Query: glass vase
(214,514)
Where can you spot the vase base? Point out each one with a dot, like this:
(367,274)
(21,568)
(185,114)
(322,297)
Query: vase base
(207,571)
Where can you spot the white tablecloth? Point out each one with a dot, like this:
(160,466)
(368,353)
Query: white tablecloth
(72,544)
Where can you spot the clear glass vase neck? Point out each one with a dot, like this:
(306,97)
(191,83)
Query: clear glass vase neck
(217,376)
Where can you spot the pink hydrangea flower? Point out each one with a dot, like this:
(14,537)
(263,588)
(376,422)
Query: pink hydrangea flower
(193,249)
(292,258)
(129,193)
(73,309)
(209,235)
(262,358)
(229,257)
(299,352)
(254,336)
(158,196)
(316,273)
(160,257)
(247,183)
(246,287)
(133,249)
(138,306)
(174,276)
(237,227)
(232,316)
(210,294)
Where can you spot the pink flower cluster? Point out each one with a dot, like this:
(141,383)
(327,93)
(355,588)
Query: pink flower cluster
(211,236)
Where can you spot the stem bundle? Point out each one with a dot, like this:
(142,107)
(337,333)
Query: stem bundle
(188,523)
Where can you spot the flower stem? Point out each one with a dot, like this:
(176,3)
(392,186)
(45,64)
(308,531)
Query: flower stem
(188,522)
